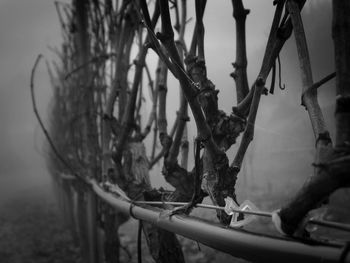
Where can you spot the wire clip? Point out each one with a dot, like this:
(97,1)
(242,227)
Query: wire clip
(231,208)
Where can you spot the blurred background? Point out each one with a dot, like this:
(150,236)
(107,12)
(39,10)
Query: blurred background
(277,163)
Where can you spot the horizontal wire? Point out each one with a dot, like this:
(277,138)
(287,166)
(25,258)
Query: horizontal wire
(258,213)
(330,224)
(319,222)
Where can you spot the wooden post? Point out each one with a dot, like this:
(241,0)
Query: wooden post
(91,221)
(82,228)
(69,208)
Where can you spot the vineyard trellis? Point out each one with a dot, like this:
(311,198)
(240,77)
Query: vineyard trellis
(98,156)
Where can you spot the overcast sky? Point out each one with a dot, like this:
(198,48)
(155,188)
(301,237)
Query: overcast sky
(28,27)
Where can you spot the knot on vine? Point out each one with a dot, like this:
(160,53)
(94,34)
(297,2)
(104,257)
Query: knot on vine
(166,142)
(324,137)
(202,141)
(163,37)
(178,177)
(184,118)
(150,45)
(238,66)
(196,67)
(228,128)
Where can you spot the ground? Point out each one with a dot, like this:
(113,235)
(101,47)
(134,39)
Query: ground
(32,231)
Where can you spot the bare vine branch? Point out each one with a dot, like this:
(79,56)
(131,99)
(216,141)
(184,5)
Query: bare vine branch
(37,115)
(240,73)
(270,56)
(127,121)
(190,90)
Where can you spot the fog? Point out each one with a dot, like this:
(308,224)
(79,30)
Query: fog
(283,144)
(26,29)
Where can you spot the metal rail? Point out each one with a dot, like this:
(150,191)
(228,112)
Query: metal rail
(238,243)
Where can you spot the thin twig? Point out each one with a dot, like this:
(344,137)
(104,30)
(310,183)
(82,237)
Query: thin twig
(37,115)
(156,46)
(282,87)
(182,114)
(97,59)
(309,98)
(271,52)
(318,84)
(128,117)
